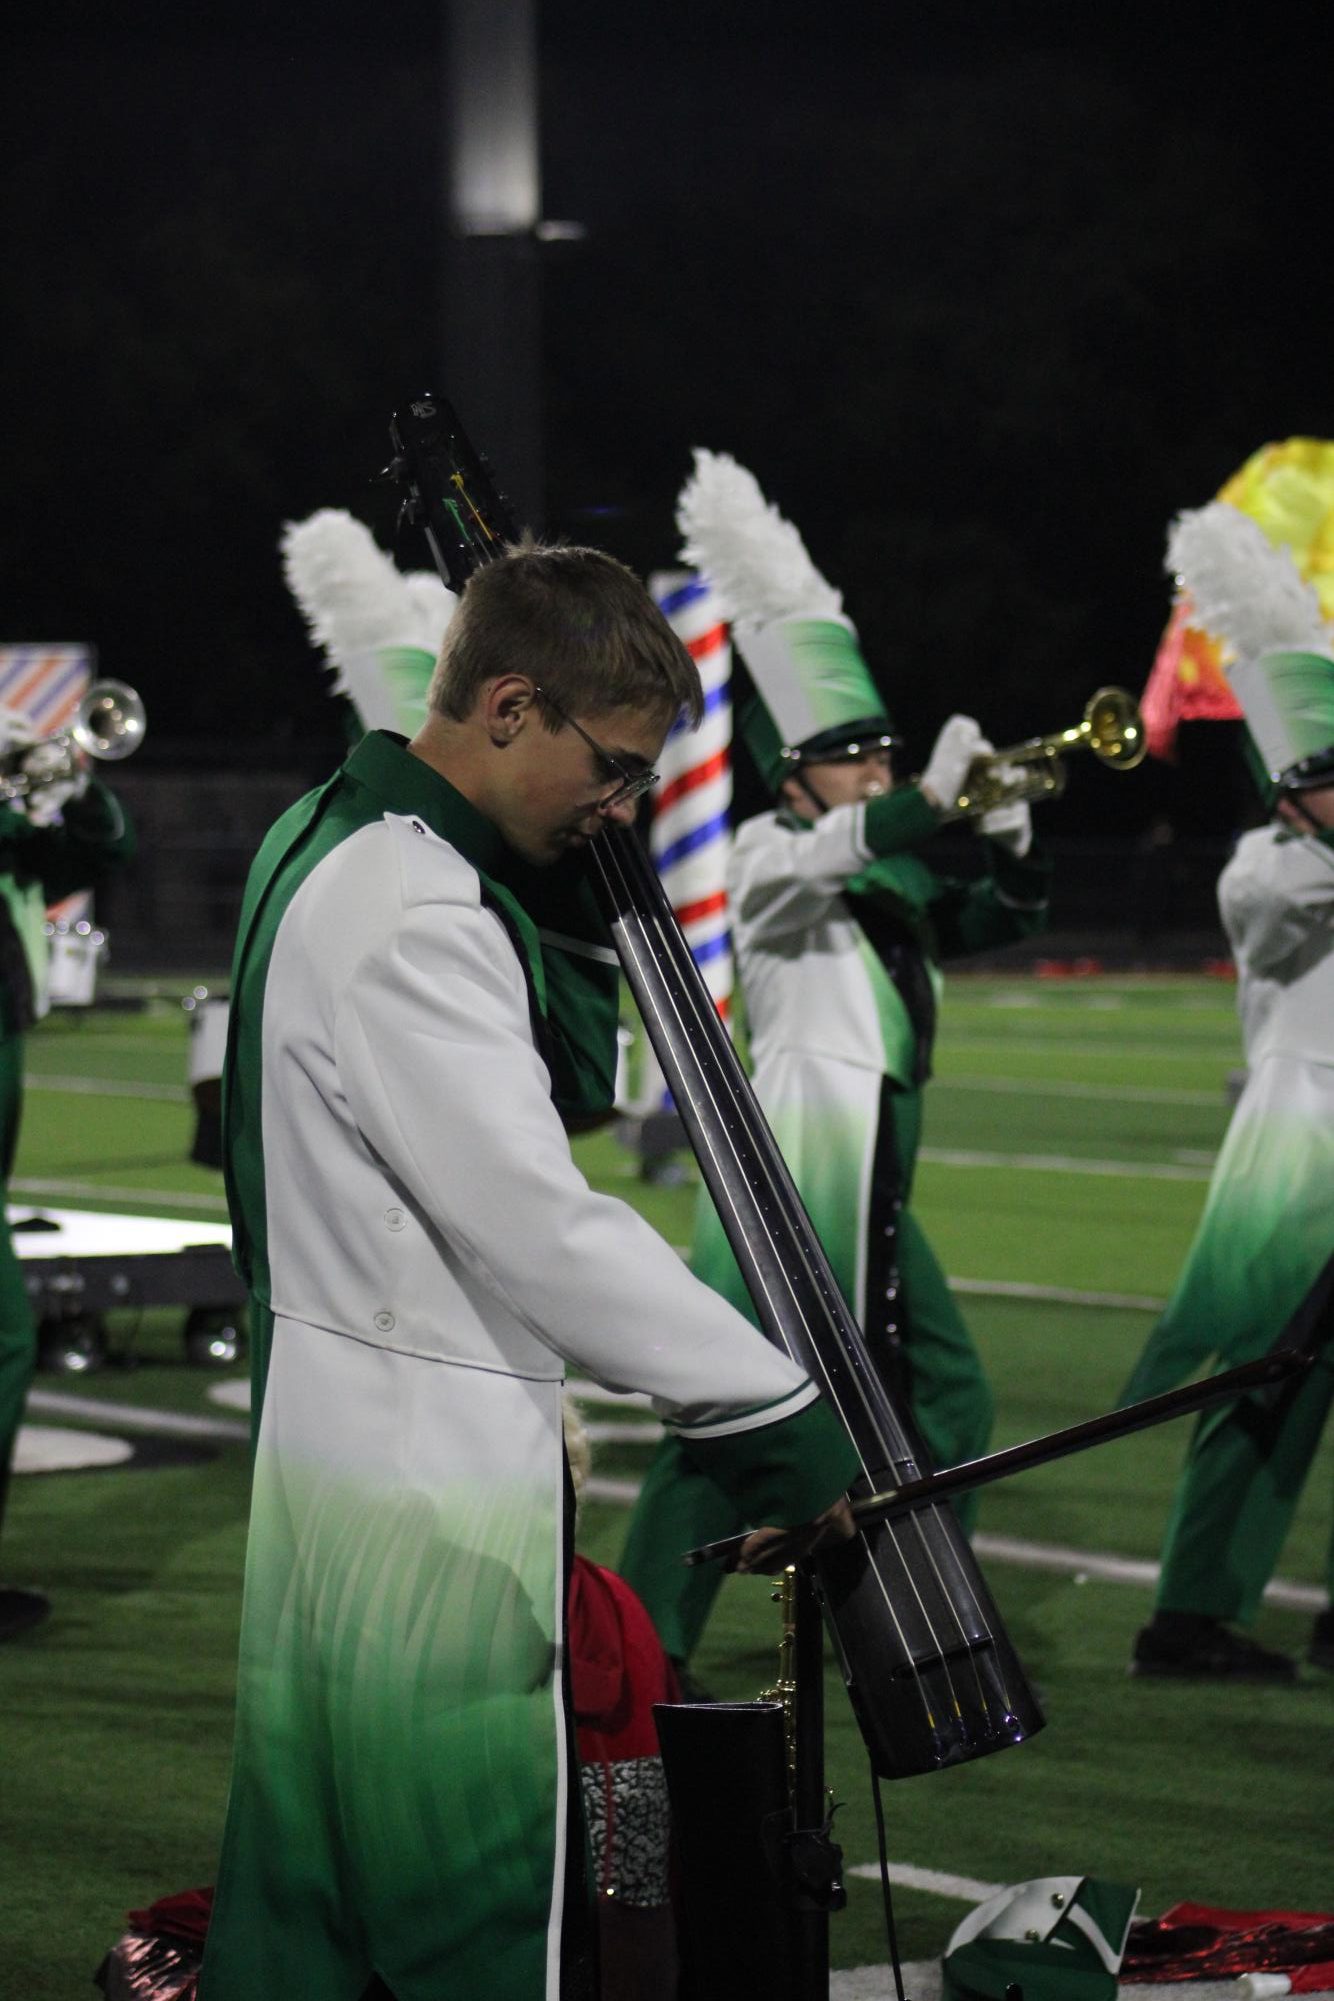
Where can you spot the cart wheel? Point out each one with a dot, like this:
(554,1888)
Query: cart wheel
(73,1345)
(213,1337)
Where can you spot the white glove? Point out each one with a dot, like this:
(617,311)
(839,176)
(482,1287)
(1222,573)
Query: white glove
(959,742)
(47,804)
(16,732)
(1011,825)
(45,763)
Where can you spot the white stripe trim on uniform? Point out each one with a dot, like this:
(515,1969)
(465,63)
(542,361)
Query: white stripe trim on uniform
(751,1420)
(579,948)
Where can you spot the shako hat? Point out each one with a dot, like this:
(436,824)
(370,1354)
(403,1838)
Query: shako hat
(1269,618)
(1058,1938)
(379,626)
(815,697)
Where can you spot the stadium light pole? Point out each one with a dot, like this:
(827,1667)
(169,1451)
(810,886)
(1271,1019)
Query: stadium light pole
(492,346)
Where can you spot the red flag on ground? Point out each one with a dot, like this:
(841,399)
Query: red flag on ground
(1200,1942)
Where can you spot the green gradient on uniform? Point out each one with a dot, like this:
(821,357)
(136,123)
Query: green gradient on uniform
(396,1741)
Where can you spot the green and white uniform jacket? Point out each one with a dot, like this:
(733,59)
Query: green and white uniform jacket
(1268,1222)
(838,932)
(425,1259)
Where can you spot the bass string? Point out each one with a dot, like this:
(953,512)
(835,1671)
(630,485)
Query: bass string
(766,1180)
(963,1583)
(656,998)
(789,1205)
(782,1190)
(747,1112)
(875,1551)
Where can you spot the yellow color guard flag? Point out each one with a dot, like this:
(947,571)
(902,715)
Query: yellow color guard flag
(1288,489)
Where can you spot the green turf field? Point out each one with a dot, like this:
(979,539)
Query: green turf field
(1068,1142)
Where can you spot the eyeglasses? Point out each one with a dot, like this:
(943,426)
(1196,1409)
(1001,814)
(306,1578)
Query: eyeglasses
(630,785)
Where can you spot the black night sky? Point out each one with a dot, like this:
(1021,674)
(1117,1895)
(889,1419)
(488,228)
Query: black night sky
(982,294)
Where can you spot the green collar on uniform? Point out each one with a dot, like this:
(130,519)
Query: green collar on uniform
(383,763)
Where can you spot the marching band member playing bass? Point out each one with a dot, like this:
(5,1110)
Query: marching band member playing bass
(424,1259)
(839,921)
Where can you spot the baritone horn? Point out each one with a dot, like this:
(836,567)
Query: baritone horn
(1112,729)
(108,725)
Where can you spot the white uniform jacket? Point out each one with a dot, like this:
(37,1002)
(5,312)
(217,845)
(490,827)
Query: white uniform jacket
(428,1258)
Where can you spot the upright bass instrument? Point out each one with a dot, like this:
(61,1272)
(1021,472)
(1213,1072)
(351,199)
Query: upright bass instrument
(933,1677)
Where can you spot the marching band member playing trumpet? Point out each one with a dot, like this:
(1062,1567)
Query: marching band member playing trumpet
(64,838)
(839,924)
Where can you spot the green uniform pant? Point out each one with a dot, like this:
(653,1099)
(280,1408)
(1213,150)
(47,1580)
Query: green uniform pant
(1234,1503)
(18,1333)
(680,1508)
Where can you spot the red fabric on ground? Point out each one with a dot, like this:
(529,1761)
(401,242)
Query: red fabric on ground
(1202,1942)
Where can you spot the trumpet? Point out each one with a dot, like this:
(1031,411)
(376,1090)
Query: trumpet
(109,724)
(1112,729)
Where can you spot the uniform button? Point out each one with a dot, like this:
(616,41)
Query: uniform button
(394,1219)
(385,1322)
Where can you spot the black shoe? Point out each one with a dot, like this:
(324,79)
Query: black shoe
(1191,1645)
(1320,1653)
(20,1610)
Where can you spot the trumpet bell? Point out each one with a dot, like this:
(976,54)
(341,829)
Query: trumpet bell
(1115,728)
(110,723)
(1112,729)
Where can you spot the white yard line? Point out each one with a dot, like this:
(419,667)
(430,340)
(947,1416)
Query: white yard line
(623,1434)
(1062,1087)
(134,1417)
(586,1392)
(980,1288)
(1109,1569)
(105,1087)
(618,1493)
(102,1039)
(98,1191)
(1147,1049)
(1056,1295)
(1063,1163)
(1081,1564)
(905,1877)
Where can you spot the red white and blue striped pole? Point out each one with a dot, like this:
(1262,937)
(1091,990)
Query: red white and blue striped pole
(45,684)
(690,831)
